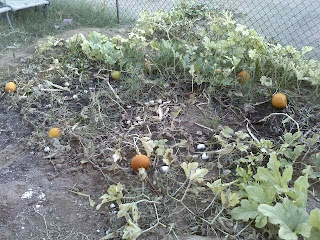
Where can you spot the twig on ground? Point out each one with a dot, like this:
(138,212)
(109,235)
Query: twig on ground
(45,222)
(200,125)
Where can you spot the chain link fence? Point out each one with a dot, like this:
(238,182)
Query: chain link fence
(294,22)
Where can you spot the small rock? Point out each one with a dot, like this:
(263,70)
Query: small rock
(199,133)
(46,149)
(201,146)
(67,22)
(73,169)
(164,169)
(59,166)
(205,156)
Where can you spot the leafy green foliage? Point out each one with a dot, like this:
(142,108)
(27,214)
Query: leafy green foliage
(268,195)
(314,221)
(292,219)
(199,46)
(272,176)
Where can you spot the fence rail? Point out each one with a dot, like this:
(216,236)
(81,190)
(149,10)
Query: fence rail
(294,22)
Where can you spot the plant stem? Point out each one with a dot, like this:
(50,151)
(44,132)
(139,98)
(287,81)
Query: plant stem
(185,192)
(215,218)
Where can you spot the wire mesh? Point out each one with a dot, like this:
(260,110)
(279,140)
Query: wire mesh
(293,22)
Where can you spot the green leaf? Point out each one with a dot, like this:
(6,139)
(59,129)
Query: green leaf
(242,147)
(244,175)
(227,132)
(291,139)
(315,234)
(241,135)
(247,210)
(272,175)
(261,221)
(257,194)
(292,220)
(314,218)
(311,141)
(299,193)
(294,154)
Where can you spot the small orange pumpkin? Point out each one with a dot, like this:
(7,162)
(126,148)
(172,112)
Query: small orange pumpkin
(10,87)
(54,133)
(279,101)
(243,76)
(140,161)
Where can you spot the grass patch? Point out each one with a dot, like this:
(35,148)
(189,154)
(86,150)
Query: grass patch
(31,25)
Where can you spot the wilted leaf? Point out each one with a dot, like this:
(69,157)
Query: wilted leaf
(148,145)
(160,150)
(114,193)
(131,231)
(142,174)
(217,187)
(266,81)
(117,155)
(230,199)
(183,144)
(168,156)
(124,210)
(192,171)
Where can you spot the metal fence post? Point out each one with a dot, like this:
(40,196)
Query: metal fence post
(117,6)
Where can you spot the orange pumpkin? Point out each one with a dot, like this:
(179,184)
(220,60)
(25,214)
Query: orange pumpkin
(243,76)
(54,133)
(140,161)
(279,101)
